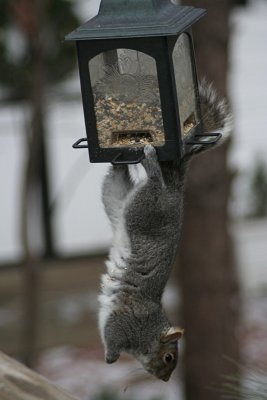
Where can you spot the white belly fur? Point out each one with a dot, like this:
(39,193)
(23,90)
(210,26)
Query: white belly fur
(116,268)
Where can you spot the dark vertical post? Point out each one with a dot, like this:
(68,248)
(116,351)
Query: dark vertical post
(30,16)
(49,249)
(207,268)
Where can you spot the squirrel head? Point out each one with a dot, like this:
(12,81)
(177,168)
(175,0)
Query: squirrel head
(161,357)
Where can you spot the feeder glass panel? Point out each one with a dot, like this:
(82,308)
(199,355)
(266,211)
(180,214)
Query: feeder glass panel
(185,84)
(126,99)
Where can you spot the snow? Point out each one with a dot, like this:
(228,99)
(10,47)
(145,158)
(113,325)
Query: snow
(81,373)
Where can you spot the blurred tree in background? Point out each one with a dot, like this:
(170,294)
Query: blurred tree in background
(24,25)
(207,273)
(258,189)
(32,59)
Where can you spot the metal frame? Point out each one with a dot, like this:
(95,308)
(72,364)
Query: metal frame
(160,48)
(159,24)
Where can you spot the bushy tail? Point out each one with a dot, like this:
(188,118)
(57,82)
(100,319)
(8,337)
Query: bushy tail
(215,111)
(216,118)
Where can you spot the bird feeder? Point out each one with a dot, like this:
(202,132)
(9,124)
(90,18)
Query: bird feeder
(138,80)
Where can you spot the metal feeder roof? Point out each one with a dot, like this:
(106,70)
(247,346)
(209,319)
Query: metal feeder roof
(137,18)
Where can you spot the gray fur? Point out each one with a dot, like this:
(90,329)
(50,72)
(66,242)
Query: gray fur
(146,219)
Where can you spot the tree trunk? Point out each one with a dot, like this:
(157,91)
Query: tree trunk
(207,273)
(35,218)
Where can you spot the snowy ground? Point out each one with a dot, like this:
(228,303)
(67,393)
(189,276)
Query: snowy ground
(82,374)
(85,375)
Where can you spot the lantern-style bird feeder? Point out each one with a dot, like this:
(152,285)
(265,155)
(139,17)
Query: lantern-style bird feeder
(138,80)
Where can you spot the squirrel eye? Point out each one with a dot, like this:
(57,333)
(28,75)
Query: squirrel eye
(168,357)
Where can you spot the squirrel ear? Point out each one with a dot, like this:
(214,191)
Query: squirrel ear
(172,335)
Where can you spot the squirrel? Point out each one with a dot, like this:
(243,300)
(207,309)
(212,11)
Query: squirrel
(146,220)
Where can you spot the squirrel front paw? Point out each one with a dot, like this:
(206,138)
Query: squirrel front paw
(151,163)
(111,357)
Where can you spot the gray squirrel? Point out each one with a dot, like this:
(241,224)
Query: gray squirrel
(146,220)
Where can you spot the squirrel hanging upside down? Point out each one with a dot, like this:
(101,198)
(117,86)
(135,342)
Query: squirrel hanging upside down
(146,220)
